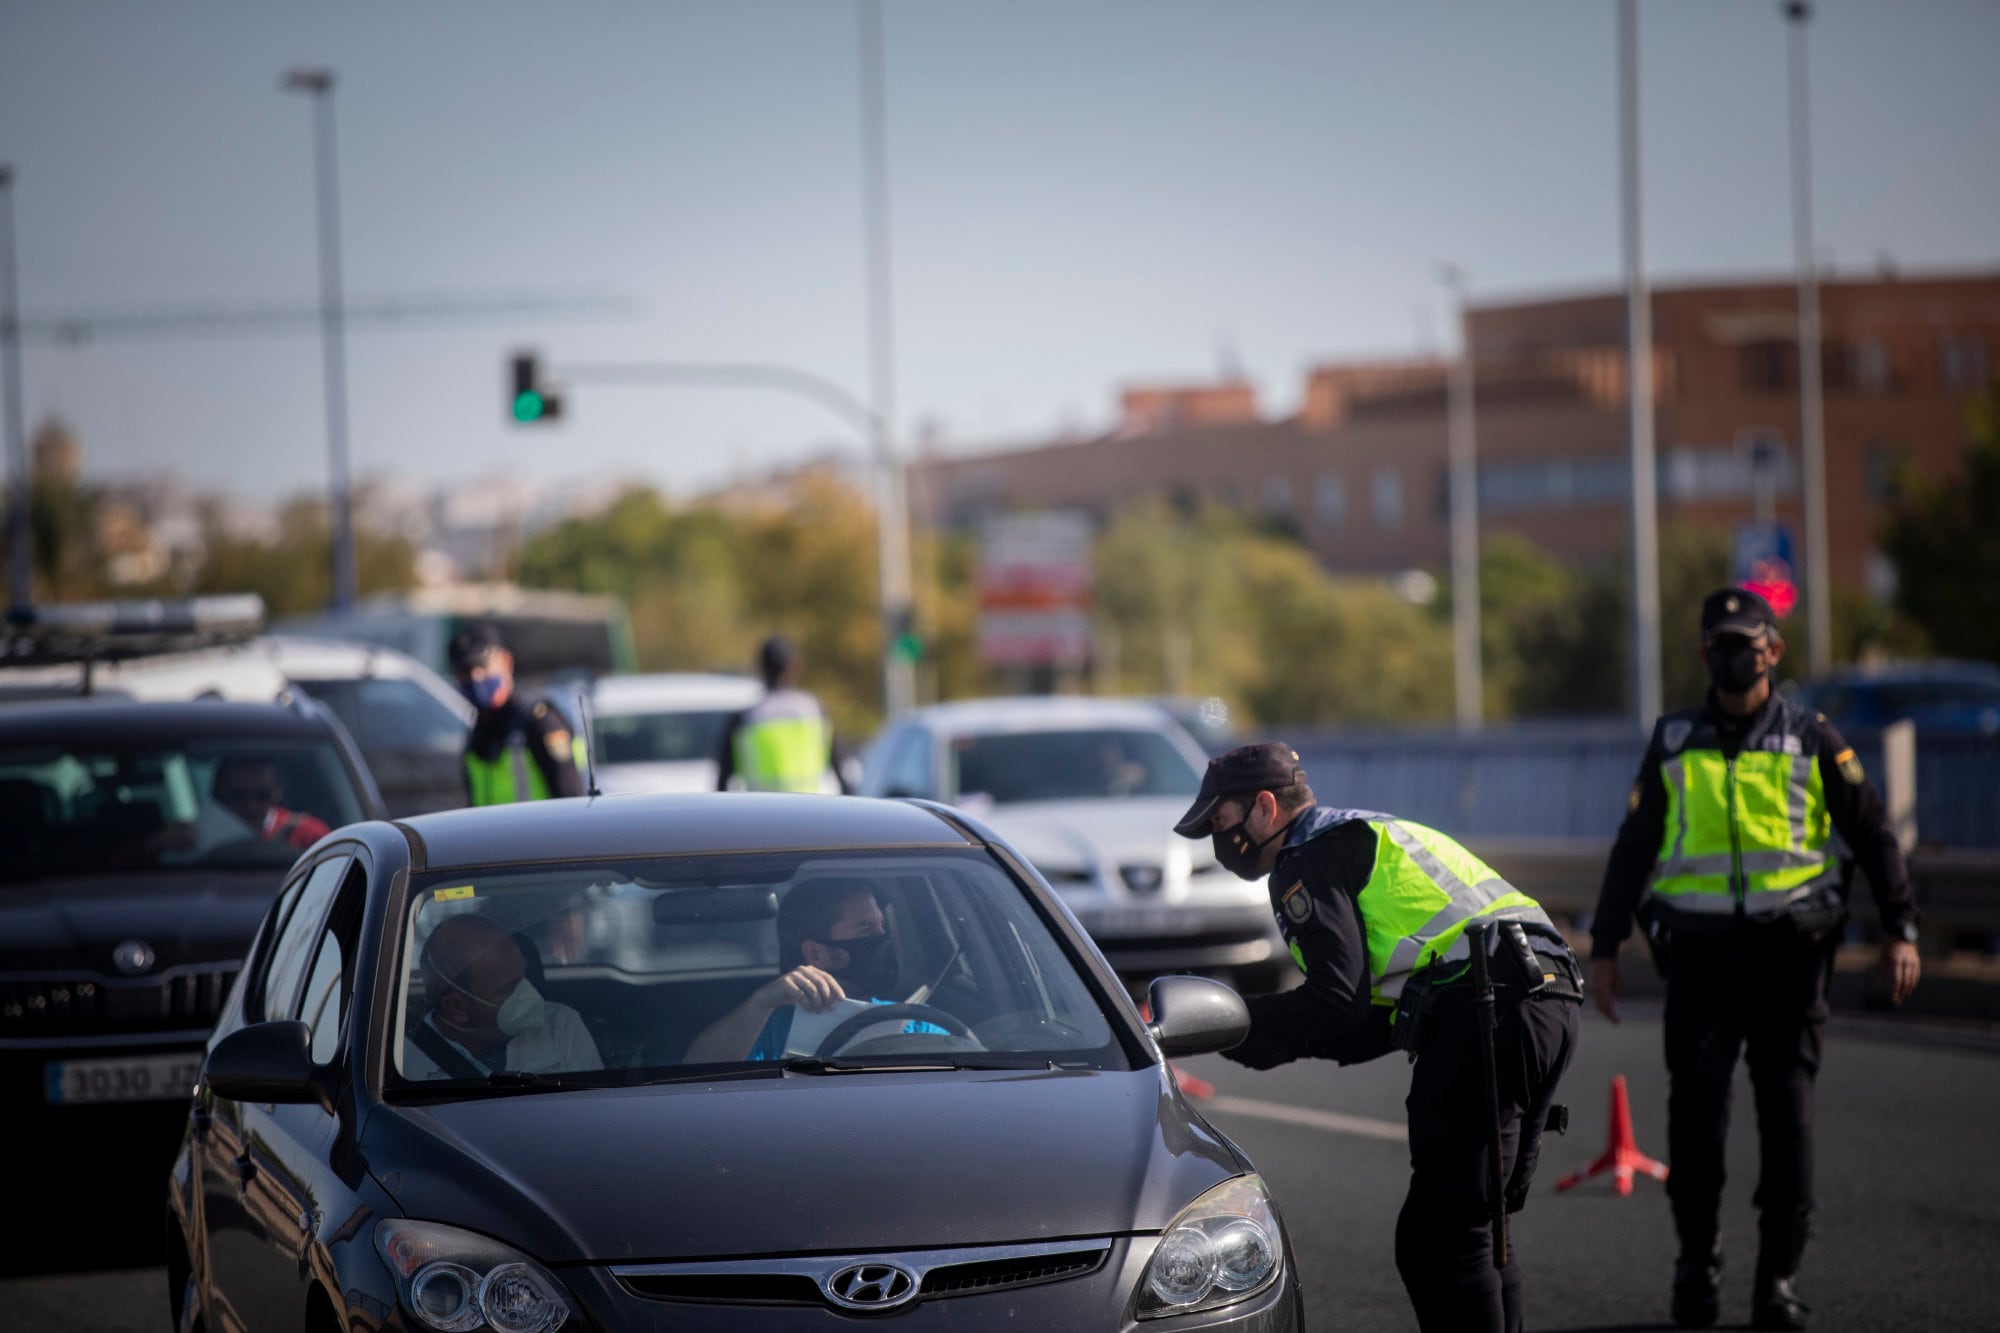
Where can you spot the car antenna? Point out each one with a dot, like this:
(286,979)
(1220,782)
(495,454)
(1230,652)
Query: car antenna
(589,749)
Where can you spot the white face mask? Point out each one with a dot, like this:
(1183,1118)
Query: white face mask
(521,1011)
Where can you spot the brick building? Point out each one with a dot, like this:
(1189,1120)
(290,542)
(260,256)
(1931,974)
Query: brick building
(1359,472)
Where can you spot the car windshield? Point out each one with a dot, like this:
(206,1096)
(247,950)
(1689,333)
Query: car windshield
(1067,765)
(232,802)
(632,971)
(390,714)
(659,738)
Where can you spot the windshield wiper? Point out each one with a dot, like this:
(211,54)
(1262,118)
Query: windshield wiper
(504,1081)
(896,1064)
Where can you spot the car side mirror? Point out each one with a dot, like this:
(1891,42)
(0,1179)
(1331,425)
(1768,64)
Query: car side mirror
(1195,1016)
(265,1062)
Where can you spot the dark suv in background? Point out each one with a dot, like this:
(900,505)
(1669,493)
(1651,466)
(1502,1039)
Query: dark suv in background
(140,845)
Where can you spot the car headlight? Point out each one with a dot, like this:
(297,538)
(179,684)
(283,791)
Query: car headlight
(1223,1247)
(454,1280)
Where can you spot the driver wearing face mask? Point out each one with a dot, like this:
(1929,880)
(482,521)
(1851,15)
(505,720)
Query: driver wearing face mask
(834,944)
(486,1015)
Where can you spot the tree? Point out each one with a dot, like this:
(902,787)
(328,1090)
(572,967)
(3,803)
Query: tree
(293,570)
(1945,543)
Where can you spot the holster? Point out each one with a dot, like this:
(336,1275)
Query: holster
(1414,1006)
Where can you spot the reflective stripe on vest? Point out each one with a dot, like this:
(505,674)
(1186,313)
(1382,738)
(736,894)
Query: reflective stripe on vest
(1762,816)
(1424,891)
(502,779)
(783,744)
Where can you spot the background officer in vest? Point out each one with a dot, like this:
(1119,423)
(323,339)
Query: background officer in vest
(783,742)
(520,748)
(1724,853)
(1374,910)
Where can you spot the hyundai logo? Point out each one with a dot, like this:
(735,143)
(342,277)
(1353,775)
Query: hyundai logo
(871,1286)
(1142,879)
(132,957)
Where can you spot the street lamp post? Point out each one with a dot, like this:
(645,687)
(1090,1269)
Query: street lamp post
(19,547)
(1812,425)
(1639,390)
(892,514)
(1468,707)
(318,85)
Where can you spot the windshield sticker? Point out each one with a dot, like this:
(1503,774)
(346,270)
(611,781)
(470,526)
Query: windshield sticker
(451,895)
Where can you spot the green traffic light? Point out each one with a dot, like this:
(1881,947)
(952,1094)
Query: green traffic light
(528,406)
(908,647)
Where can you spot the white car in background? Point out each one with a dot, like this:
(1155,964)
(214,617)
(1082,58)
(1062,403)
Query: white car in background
(1088,790)
(663,733)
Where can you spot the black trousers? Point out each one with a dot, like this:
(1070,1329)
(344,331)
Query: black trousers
(1759,992)
(1444,1247)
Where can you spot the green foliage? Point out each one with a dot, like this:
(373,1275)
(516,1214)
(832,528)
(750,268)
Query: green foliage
(293,571)
(1945,542)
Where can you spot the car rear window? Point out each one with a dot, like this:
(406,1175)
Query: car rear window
(638,968)
(1066,765)
(240,801)
(659,738)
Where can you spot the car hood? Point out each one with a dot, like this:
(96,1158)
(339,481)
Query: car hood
(1062,838)
(186,916)
(828,1163)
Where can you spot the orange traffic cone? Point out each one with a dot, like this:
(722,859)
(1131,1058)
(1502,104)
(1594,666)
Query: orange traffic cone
(1622,1157)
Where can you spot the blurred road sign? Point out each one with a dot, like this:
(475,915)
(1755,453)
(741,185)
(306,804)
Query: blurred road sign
(1761,560)
(1035,583)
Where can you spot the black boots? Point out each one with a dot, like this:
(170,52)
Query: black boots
(1697,1288)
(1781,1244)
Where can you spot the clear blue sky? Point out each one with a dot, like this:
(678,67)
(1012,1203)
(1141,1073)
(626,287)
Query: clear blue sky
(1082,194)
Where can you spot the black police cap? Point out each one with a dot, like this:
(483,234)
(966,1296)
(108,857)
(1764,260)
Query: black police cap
(470,645)
(1736,611)
(1265,766)
(776,655)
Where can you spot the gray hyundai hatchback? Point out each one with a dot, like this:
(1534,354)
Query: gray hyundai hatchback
(705,1062)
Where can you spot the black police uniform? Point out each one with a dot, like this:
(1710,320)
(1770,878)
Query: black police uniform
(539,729)
(1443,1237)
(1736,985)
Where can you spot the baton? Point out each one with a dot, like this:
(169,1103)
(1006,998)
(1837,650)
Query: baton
(1482,981)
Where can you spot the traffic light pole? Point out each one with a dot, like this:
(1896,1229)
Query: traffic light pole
(891,520)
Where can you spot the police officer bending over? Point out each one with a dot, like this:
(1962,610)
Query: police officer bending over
(520,748)
(1724,853)
(1376,911)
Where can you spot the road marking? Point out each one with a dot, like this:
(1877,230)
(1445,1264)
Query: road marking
(1334,1122)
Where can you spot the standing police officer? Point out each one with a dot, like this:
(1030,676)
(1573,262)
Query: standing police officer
(1376,910)
(520,748)
(783,742)
(1724,855)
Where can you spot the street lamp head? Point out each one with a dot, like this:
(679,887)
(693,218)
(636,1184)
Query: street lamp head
(307,81)
(1798,11)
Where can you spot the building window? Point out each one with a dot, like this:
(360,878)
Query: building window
(1964,361)
(1330,500)
(1868,365)
(1721,474)
(1882,469)
(1278,497)
(1385,493)
(1767,366)
(1552,483)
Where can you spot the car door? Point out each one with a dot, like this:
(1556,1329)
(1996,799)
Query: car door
(252,1197)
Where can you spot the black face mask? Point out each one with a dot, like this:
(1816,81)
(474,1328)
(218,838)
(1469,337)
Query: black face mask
(872,966)
(1237,852)
(1733,667)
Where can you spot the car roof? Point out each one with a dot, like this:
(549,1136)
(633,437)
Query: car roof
(297,655)
(1040,713)
(70,720)
(659,825)
(673,691)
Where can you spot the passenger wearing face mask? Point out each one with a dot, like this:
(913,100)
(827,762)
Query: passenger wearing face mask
(1375,910)
(520,749)
(485,1014)
(834,944)
(1725,854)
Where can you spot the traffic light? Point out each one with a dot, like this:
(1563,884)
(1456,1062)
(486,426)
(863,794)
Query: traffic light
(532,401)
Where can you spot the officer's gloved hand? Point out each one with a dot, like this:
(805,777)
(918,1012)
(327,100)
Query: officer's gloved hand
(1260,1053)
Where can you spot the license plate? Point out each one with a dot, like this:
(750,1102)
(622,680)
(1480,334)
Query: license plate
(1143,921)
(132,1078)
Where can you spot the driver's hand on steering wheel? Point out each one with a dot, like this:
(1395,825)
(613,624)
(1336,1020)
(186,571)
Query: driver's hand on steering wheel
(806,986)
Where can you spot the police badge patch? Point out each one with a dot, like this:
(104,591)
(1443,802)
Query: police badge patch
(1850,767)
(1297,904)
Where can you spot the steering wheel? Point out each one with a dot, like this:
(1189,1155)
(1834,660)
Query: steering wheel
(848,1028)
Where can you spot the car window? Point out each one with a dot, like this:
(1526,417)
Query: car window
(659,738)
(325,998)
(631,967)
(906,764)
(293,947)
(391,714)
(1068,765)
(139,807)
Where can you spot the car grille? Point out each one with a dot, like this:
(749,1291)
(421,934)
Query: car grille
(82,1004)
(801,1281)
